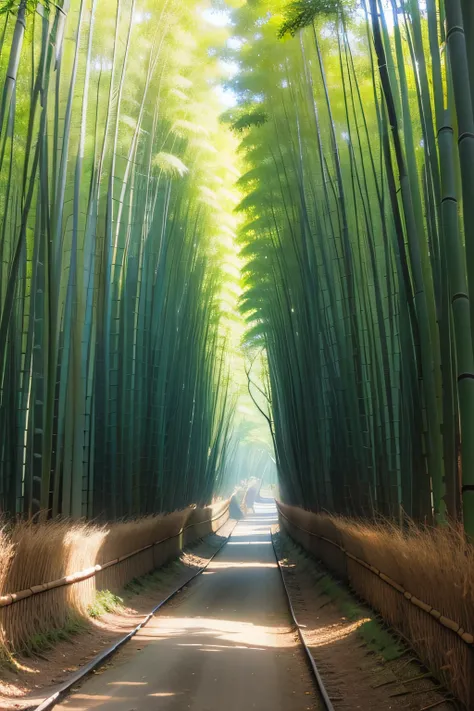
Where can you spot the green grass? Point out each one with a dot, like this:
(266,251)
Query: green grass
(46,640)
(344,600)
(378,639)
(105,601)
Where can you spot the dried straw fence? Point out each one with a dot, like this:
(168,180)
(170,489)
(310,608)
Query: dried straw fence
(49,573)
(421,581)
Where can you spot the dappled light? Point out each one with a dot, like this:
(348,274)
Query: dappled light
(336,632)
(249,543)
(245,564)
(237,635)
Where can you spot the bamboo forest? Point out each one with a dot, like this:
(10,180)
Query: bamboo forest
(236,266)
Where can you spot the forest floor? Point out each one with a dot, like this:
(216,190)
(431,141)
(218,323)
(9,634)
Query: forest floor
(363,664)
(36,677)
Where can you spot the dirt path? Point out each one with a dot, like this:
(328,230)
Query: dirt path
(225,643)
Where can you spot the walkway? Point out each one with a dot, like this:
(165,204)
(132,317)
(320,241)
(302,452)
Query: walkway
(225,644)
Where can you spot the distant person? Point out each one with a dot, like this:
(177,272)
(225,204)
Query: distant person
(250,497)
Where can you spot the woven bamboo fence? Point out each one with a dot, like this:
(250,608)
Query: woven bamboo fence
(53,571)
(420,581)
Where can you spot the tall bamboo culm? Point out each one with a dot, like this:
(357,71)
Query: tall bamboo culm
(113,195)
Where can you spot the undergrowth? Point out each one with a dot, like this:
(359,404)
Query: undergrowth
(378,639)
(43,641)
(347,605)
(105,601)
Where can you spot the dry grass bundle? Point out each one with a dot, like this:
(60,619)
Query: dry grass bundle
(34,554)
(436,566)
(6,554)
(43,553)
(124,538)
(205,520)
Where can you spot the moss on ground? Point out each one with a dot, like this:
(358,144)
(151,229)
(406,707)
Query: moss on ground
(378,639)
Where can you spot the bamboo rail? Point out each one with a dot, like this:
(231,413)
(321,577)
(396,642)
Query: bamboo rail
(466,637)
(12,598)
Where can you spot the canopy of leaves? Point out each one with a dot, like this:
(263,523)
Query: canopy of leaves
(301,13)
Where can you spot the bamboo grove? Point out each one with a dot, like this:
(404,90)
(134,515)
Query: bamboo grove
(116,207)
(356,127)
(118,195)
